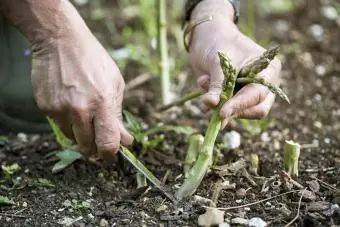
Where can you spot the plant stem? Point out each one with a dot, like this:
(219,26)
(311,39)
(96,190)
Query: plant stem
(195,144)
(205,156)
(163,52)
(291,158)
(181,101)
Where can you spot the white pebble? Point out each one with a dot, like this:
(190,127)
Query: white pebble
(329,12)
(22,137)
(320,70)
(257,222)
(232,140)
(317,32)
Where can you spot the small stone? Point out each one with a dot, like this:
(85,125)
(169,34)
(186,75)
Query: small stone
(257,222)
(265,137)
(329,12)
(239,221)
(318,206)
(224,224)
(317,124)
(313,185)
(103,223)
(24,204)
(320,70)
(22,137)
(307,195)
(162,208)
(211,217)
(90,216)
(317,32)
(241,193)
(232,140)
(333,208)
(238,201)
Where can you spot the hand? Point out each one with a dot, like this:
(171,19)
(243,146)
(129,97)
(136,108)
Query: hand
(252,101)
(77,83)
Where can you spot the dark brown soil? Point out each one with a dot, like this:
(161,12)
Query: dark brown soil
(311,78)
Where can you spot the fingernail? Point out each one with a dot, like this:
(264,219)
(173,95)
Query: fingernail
(224,123)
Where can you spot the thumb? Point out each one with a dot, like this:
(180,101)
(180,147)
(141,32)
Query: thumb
(212,97)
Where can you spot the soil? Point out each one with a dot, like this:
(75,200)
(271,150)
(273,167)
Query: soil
(311,79)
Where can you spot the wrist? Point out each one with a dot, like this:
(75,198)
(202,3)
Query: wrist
(217,8)
(46,24)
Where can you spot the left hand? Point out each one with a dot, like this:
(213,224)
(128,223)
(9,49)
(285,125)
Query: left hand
(253,101)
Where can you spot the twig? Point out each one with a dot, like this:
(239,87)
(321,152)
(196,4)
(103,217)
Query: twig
(139,80)
(325,184)
(12,215)
(216,193)
(246,175)
(257,202)
(298,211)
(328,169)
(181,101)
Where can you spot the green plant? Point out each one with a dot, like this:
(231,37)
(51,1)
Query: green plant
(9,170)
(148,138)
(248,74)
(291,158)
(4,200)
(76,204)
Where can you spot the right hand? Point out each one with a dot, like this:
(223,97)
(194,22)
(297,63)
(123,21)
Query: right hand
(77,83)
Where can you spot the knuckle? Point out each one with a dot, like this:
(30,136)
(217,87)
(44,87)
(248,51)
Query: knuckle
(108,147)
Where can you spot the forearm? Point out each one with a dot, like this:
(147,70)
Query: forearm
(43,22)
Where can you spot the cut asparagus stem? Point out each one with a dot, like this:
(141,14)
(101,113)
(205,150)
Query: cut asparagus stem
(291,158)
(254,164)
(195,144)
(204,160)
(141,180)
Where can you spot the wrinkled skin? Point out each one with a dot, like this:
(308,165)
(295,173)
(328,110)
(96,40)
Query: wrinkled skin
(80,86)
(253,101)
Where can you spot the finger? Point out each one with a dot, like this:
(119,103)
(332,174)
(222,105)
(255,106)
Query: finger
(212,97)
(106,128)
(66,128)
(126,138)
(203,82)
(247,97)
(84,133)
(259,111)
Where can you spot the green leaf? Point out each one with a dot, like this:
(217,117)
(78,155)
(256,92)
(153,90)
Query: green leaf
(10,169)
(132,123)
(41,182)
(4,138)
(4,200)
(66,159)
(62,140)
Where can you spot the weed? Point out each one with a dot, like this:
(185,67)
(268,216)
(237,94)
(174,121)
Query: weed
(4,200)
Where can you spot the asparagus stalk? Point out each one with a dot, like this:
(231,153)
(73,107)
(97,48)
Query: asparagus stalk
(163,52)
(247,75)
(254,164)
(291,158)
(205,156)
(195,144)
